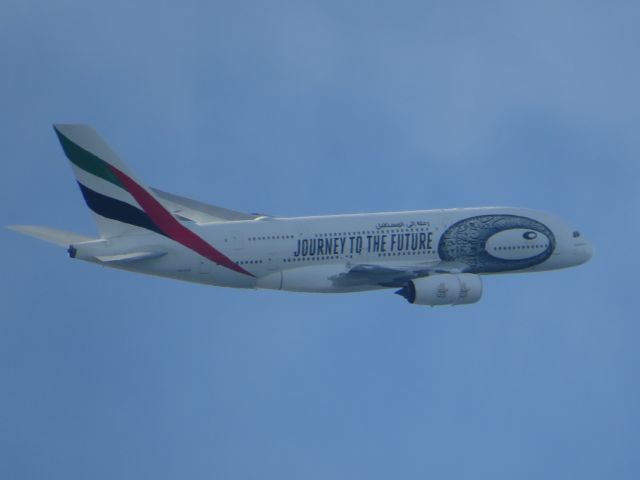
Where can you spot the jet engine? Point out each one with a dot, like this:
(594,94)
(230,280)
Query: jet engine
(443,289)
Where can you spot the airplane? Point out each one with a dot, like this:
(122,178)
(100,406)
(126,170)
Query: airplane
(430,257)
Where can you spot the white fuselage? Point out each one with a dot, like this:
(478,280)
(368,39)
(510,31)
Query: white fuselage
(306,253)
(432,257)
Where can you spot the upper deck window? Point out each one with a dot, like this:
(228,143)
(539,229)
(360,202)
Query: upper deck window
(576,234)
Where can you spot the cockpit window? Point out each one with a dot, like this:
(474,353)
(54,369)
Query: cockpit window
(576,234)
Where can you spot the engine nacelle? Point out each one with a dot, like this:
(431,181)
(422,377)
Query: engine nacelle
(443,289)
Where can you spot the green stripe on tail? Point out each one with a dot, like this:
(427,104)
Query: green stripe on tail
(87,161)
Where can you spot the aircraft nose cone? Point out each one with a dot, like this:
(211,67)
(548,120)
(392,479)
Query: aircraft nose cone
(584,251)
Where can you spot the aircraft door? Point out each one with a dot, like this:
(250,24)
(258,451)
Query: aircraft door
(238,241)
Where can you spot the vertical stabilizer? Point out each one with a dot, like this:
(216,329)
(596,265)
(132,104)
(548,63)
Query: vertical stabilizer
(120,203)
(103,179)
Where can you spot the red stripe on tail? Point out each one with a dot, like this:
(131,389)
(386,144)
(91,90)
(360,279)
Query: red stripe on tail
(171,227)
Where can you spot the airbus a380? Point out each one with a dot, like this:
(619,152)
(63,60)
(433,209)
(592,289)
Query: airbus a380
(430,257)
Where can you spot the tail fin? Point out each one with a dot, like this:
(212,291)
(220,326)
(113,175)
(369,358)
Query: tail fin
(120,203)
(107,185)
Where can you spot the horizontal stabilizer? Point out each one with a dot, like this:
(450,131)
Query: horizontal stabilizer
(199,212)
(130,257)
(51,235)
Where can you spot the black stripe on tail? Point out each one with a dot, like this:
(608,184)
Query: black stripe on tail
(117,210)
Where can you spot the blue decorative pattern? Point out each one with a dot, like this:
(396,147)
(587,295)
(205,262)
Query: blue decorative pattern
(466,241)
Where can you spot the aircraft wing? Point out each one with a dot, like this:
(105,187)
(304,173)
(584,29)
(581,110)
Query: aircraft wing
(199,212)
(394,276)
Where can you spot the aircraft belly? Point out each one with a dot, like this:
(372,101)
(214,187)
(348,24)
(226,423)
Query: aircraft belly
(313,279)
(183,265)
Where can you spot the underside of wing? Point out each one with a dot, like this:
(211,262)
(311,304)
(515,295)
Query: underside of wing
(394,276)
(201,213)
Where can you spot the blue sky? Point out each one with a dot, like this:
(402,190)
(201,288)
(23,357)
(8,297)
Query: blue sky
(296,108)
